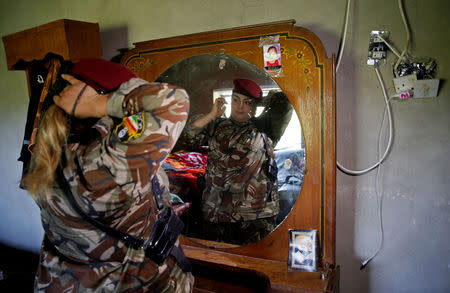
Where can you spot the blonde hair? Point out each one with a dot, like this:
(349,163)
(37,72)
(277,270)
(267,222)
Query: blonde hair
(53,132)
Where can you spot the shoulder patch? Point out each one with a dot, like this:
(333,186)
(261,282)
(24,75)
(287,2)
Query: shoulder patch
(130,128)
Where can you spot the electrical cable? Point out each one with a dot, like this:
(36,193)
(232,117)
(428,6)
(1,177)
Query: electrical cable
(360,172)
(400,57)
(379,195)
(389,46)
(408,37)
(378,192)
(344,37)
(340,54)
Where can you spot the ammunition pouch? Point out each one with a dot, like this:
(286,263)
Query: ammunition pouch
(164,234)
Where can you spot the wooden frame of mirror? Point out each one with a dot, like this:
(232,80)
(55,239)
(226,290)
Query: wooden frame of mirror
(308,80)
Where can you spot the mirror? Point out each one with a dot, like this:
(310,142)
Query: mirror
(207,77)
(309,83)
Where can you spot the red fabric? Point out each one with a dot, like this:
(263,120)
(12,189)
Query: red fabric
(247,87)
(100,74)
(184,172)
(188,162)
(276,63)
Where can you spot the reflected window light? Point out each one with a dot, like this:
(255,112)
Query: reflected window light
(226,94)
(292,136)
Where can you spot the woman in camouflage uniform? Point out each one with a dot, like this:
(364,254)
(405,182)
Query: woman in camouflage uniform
(240,201)
(113,169)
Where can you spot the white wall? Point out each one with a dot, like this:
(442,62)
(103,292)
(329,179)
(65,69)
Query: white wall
(415,256)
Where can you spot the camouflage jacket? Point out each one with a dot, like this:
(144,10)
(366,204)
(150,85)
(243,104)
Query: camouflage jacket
(237,185)
(114,178)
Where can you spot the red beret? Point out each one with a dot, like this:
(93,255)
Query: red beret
(247,87)
(104,76)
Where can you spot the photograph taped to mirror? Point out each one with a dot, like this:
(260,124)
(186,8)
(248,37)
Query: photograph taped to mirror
(272,59)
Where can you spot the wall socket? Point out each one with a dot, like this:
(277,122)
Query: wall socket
(377,47)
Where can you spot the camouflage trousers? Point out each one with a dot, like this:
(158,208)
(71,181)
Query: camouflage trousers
(241,233)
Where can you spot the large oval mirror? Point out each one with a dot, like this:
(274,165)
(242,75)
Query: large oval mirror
(207,77)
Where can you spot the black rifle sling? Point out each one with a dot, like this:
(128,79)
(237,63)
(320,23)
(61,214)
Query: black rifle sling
(129,240)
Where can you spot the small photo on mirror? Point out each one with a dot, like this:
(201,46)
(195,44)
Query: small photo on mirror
(272,56)
(303,250)
(272,60)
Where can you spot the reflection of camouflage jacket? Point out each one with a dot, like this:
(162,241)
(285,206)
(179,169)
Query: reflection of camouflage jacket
(236,181)
(114,178)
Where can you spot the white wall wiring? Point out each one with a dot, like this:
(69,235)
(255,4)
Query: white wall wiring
(391,130)
(408,36)
(378,193)
(387,110)
(390,46)
(341,50)
(344,36)
(400,57)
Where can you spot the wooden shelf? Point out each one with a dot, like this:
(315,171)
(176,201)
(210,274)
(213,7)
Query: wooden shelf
(68,38)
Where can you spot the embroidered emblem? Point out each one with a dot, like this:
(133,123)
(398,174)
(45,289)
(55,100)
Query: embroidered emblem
(131,127)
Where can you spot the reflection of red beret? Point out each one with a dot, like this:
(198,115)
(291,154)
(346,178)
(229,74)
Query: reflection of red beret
(104,76)
(247,87)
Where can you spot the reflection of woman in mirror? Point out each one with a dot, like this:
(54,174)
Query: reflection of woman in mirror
(240,200)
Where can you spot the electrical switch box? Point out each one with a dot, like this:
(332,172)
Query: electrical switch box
(419,88)
(405,83)
(377,46)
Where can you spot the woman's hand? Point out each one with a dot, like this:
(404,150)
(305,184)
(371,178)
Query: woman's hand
(90,104)
(218,108)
